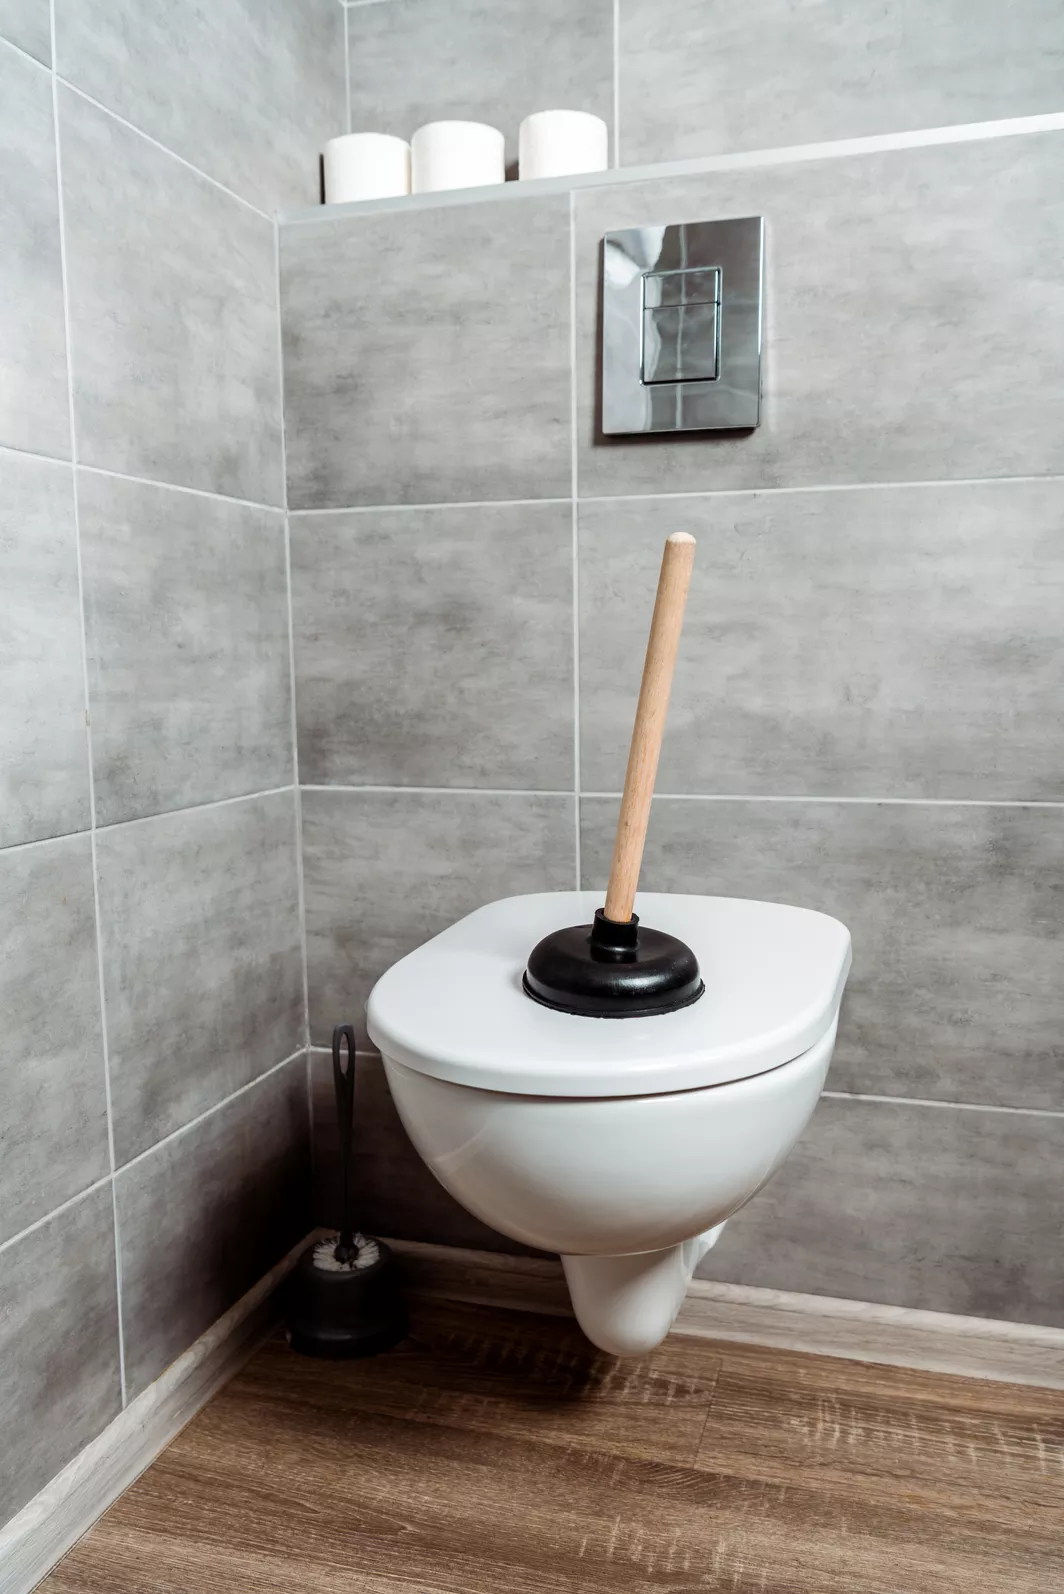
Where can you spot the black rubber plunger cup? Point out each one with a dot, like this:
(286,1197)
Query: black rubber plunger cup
(617,967)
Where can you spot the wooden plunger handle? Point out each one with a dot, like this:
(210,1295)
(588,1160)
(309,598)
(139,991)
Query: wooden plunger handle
(665,627)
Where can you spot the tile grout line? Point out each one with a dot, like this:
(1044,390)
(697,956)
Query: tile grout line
(664,796)
(109,1178)
(82,94)
(398,509)
(149,819)
(754,491)
(94,862)
(531,503)
(616,87)
(141,481)
(26,54)
(574,511)
(447,791)
(293,718)
(197,808)
(931,1101)
(875,802)
(180,487)
(821,487)
(193,1123)
(57,1212)
(116,116)
(347,74)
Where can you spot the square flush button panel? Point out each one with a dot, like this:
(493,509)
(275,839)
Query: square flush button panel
(681,327)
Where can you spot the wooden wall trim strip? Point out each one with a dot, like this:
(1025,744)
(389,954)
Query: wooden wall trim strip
(46,1527)
(973,1347)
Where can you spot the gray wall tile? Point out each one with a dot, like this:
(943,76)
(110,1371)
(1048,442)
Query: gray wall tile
(202,959)
(186,611)
(426,356)
(173,314)
(247,90)
(44,769)
(393,1191)
(495,61)
(201,1218)
(384,871)
(59,1375)
(957,916)
(27,23)
(434,647)
(696,78)
(945,1210)
(891,352)
(869,643)
(34,395)
(53,1096)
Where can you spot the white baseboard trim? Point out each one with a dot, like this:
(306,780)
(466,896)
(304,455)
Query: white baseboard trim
(49,1524)
(972,1347)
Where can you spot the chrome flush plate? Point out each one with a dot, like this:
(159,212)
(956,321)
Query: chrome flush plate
(681,327)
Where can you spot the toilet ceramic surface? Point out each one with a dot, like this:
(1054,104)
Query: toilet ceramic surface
(454,1009)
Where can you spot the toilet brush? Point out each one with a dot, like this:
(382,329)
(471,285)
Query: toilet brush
(617,967)
(344,1300)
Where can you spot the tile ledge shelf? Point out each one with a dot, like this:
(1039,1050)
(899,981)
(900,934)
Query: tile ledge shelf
(697,166)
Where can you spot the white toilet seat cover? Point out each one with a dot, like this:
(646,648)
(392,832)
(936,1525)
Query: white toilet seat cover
(455,1008)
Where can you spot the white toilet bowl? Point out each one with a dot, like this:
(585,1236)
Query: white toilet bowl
(623,1145)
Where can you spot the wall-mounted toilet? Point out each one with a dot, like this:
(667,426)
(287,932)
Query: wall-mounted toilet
(621,1145)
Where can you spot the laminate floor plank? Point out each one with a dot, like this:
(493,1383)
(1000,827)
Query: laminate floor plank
(889,1433)
(517,1373)
(496,1451)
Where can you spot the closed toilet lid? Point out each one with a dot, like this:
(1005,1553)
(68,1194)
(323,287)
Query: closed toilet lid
(455,1008)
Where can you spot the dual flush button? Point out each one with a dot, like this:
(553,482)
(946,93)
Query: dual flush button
(681,325)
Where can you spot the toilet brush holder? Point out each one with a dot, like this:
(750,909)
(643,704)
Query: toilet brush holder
(344,1299)
(616,967)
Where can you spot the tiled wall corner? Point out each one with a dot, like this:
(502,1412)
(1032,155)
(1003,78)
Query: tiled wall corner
(153,971)
(203,1215)
(60,1372)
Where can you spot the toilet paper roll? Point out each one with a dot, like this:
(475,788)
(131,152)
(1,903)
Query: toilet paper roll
(559,143)
(456,155)
(366,166)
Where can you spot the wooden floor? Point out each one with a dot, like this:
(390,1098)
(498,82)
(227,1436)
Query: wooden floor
(496,1451)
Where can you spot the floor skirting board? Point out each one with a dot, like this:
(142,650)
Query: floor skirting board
(972,1347)
(46,1527)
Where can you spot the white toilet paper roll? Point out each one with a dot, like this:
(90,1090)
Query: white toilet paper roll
(366,166)
(559,143)
(456,155)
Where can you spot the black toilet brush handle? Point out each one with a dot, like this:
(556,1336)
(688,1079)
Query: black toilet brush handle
(344,1082)
(673,582)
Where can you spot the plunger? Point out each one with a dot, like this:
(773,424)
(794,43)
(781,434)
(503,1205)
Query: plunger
(617,967)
